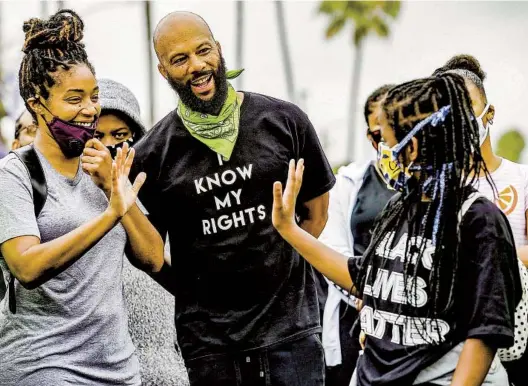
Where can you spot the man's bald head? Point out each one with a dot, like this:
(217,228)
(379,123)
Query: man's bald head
(179,24)
(191,61)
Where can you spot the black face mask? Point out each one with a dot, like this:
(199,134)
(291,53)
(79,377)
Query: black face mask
(189,99)
(113,148)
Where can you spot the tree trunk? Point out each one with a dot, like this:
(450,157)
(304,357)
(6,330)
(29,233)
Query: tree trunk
(351,142)
(150,63)
(60,5)
(283,37)
(239,41)
(43,9)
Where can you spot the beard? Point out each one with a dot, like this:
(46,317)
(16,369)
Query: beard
(189,99)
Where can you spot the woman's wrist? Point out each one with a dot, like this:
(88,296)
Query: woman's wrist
(112,215)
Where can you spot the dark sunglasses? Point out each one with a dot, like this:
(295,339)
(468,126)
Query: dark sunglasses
(375,135)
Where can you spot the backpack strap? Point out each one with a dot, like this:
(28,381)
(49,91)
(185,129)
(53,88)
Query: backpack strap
(30,159)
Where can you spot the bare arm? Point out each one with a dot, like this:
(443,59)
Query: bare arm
(316,215)
(330,263)
(33,263)
(522,252)
(327,261)
(473,364)
(144,246)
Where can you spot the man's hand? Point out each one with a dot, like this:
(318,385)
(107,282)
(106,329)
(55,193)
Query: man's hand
(97,162)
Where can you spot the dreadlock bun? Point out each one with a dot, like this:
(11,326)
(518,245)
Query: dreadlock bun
(62,30)
(51,46)
(463,62)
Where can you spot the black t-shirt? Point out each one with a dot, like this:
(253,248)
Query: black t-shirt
(488,287)
(238,284)
(371,198)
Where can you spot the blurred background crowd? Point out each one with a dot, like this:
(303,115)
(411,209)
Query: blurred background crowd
(326,56)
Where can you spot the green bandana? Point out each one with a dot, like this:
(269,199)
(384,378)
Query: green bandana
(219,133)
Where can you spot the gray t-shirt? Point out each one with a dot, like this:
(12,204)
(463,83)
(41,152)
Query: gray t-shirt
(151,325)
(71,330)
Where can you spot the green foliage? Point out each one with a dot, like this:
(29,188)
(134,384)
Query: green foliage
(511,145)
(335,168)
(365,16)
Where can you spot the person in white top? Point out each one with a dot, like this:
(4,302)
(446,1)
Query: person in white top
(509,178)
(509,190)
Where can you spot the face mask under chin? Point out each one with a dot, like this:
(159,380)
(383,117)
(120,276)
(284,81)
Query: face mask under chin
(70,137)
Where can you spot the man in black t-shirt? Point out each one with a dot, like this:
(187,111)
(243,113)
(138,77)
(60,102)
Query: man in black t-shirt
(246,302)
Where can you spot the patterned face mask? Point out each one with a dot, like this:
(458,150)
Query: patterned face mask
(395,174)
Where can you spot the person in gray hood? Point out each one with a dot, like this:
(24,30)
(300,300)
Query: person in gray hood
(150,307)
(120,120)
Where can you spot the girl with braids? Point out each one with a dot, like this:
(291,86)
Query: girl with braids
(439,280)
(356,199)
(63,320)
(509,190)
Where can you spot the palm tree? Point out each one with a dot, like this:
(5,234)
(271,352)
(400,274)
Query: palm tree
(3,112)
(43,9)
(239,40)
(283,38)
(365,17)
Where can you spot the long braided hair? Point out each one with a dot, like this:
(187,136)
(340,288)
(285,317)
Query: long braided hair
(375,97)
(469,68)
(50,45)
(449,162)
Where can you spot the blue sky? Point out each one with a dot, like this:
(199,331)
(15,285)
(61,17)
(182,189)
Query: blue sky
(425,35)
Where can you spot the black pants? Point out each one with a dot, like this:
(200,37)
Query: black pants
(297,363)
(340,375)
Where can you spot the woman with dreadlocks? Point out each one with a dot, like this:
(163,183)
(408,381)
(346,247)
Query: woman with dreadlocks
(439,281)
(63,321)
